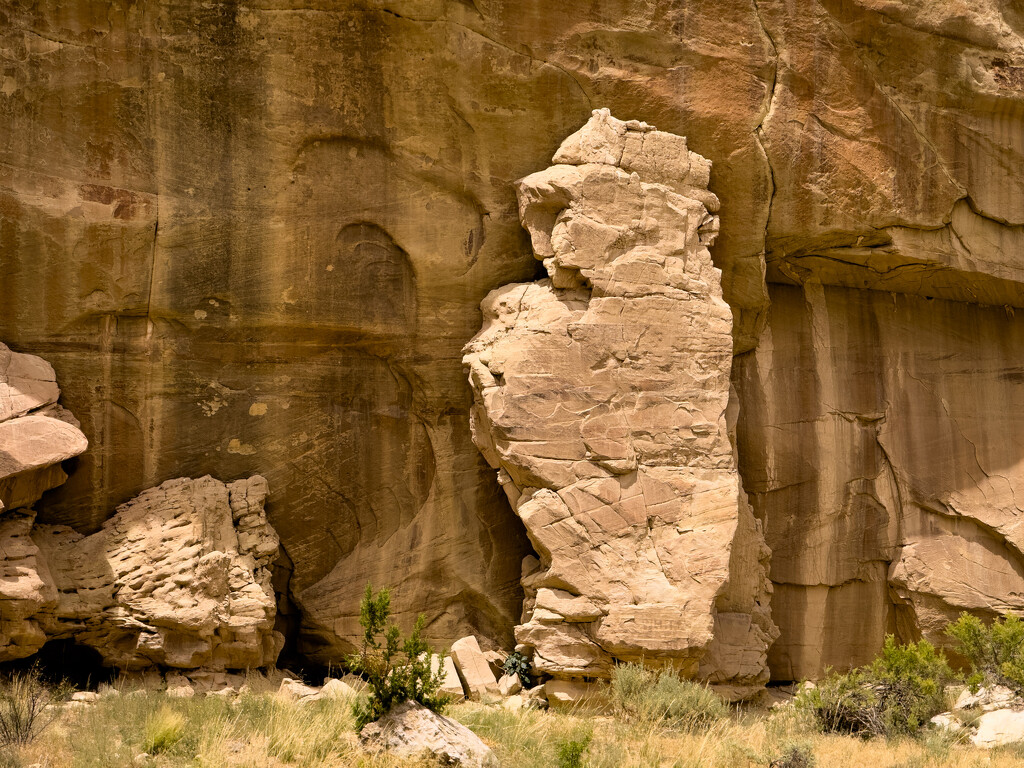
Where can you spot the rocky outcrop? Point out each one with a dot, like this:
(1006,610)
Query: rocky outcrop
(283,282)
(178,577)
(601,395)
(36,434)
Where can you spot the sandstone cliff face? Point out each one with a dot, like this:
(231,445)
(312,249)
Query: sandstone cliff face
(255,238)
(178,577)
(601,394)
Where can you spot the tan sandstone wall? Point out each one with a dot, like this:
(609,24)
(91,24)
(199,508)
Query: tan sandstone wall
(254,238)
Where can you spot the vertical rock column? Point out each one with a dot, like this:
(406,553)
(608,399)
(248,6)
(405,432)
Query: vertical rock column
(600,396)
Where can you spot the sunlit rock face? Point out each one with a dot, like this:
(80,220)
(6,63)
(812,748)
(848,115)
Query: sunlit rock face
(601,395)
(36,434)
(883,447)
(177,577)
(255,238)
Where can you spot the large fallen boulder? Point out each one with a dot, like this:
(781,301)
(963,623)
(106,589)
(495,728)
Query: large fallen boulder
(601,396)
(36,434)
(412,731)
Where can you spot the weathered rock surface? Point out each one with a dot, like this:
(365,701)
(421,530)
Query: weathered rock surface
(473,670)
(36,434)
(283,283)
(412,731)
(178,577)
(881,444)
(1001,726)
(601,397)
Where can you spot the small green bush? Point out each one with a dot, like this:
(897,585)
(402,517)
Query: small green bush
(571,751)
(996,651)
(896,694)
(651,695)
(164,729)
(395,669)
(794,756)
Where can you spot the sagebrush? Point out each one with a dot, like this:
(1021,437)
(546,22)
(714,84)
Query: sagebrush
(896,694)
(995,651)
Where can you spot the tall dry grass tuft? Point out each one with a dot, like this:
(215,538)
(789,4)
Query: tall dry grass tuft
(661,696)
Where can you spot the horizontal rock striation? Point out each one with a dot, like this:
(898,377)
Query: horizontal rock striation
(601,395)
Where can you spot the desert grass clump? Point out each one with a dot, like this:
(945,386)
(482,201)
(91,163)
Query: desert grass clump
(662,696)
(395,669)
(897,694)
(164,728)
(25,707)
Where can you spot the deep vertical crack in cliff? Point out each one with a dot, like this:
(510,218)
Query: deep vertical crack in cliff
(759,135)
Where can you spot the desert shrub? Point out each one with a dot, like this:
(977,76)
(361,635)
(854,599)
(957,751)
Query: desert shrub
(898,693)
(517,664)
(24,702)
(571,751)
(794,755)
(164,729)
(996,651)
(395,669)
(652,695)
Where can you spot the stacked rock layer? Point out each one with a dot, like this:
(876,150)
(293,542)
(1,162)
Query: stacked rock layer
(601,394)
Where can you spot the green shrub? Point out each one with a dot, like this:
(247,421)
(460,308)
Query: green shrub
(164,729)
(794,756)
(517,664)
(996,651)
(896,694)
(651,695)
(395,669)
(571,751)
(24,699)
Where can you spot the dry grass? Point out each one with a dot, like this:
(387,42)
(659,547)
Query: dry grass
(258,730)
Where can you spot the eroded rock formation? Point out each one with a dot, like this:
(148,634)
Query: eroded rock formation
(178,577)
(36,434)
(601,396)
(256,238)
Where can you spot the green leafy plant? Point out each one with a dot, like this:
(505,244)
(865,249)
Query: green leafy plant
(395,669)
(898,693)
(571,751)
(652,695)
(517,664)
(996,651)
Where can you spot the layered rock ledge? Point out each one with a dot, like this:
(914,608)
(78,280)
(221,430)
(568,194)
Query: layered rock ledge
(178,577)
(36,434)
(601,395)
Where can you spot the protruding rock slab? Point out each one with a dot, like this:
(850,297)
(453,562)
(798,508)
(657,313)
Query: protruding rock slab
(178,577)
(412,731)
(601,397)
(36,434)
(473,669)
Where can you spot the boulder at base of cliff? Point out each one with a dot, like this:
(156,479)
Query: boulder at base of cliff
(410,730)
